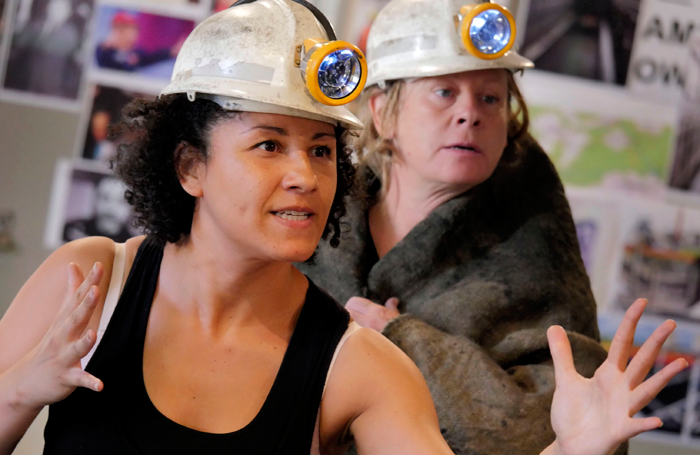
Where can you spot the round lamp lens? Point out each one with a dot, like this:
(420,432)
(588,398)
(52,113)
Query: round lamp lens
(490,31)
(339,74)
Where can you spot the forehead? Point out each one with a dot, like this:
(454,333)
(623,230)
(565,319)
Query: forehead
(249,122)
(494,76)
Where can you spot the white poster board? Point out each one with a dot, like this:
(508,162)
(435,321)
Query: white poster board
(659,63)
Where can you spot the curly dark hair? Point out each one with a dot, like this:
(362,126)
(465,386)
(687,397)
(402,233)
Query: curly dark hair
(150,153)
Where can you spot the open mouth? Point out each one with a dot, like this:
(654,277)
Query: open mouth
(292,215)
(464,148)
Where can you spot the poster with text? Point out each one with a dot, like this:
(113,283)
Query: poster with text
(659,67)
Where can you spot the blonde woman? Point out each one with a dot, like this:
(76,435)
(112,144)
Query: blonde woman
(459,246)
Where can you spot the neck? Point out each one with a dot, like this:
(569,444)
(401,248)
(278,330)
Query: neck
(213,280)
(408,201)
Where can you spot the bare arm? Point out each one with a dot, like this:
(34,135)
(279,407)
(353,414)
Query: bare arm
(46,331)
(380,392)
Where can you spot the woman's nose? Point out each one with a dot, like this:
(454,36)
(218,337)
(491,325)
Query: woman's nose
(300,174)
(467,113)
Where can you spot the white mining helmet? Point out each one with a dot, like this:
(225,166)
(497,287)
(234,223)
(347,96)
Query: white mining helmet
(271,56)
(423,38)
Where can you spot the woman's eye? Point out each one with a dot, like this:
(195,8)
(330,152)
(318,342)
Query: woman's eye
(443,93)
(320,152)
(268,146)
(488,99)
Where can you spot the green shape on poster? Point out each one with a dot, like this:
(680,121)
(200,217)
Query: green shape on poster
(585,147)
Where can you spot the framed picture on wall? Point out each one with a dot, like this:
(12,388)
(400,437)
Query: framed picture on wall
(583,38)
(104,109)
(46,57)
(658,257)
(136,46)
(87,200)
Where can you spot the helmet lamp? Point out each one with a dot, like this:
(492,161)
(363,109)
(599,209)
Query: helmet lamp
(487,29)
(335,72)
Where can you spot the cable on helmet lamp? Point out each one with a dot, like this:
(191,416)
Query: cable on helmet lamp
(334,71)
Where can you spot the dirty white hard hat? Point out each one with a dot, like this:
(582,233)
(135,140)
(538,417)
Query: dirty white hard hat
(250,58)
(421,38)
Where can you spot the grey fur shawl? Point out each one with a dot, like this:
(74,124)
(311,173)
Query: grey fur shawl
(479,282)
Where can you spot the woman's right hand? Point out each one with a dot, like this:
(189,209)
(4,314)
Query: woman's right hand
(52,371)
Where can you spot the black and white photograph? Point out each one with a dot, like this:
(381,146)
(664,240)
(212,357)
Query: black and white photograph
(685,170)
(47,53)
(582,38)
(107,104)
(87,201)
(2,19)
(671,404)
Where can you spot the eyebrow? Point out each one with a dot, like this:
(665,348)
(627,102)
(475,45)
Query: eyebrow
(283,132)
(280,131)
(320,135)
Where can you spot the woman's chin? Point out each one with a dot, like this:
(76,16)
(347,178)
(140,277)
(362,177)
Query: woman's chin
(294,253)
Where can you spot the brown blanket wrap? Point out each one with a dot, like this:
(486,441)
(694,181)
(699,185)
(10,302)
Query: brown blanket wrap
(479,281)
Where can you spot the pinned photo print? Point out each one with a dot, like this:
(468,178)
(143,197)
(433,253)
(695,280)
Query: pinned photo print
(658,258)
(106,110)
(2,19)
(220,5)
(583,38)
(87,200)
(135,42)
(46,55)
(671,404)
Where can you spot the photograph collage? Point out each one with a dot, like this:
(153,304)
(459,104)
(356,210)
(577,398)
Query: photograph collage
(614,101)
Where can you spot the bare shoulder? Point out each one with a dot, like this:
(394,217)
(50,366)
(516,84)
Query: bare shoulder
(372,380)
(33,309)
(372,353)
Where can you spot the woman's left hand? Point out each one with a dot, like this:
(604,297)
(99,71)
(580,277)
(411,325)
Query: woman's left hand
(594,416)
(370,315)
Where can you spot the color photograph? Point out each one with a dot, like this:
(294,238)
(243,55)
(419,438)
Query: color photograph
(599,135)
(658,258)
(135,42)
(106,109)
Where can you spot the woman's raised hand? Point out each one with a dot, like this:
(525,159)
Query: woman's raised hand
(51,371)
(594,416)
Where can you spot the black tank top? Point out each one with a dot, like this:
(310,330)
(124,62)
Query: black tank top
(122,419)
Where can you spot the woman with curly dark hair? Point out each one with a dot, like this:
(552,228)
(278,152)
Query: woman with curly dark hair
(215,343)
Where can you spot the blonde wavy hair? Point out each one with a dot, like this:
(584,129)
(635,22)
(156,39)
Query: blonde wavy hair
(375,151)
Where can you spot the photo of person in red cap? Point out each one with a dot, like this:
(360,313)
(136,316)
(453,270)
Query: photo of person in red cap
(126,46)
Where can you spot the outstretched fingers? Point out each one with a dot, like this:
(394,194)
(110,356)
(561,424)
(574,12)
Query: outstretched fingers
(644,359)
(78,287)
(621,346)
(76,350)
(76,377)
(75,324)
(638,426)
(560,348)
(644,393)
